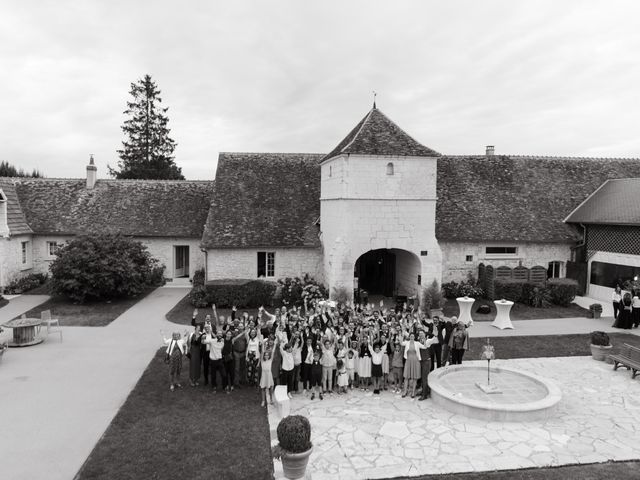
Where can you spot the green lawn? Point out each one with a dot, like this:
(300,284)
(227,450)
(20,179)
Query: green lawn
(519,311)
(90,314)
(545,345)
(3,301)
(190,433)
(594,471)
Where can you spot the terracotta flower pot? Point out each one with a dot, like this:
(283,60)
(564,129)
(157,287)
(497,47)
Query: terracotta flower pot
(294,465)
(600,352)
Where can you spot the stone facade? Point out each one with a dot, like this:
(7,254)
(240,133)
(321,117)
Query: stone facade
(242,263)
(39,260)
(456,267)
(11,265)
(369,202)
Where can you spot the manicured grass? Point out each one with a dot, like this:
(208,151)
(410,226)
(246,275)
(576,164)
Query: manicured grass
(190,433)
(3,302)
(41,290)
(90,314)
(519,311)
(545,345)
(593,471)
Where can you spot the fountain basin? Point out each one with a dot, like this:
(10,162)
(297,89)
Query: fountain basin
(524,397)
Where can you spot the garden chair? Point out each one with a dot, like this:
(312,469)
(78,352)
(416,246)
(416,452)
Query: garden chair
(51,322)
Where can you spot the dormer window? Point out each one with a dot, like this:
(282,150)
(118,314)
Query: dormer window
(390,168)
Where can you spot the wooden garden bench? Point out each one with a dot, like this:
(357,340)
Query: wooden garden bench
(629,357)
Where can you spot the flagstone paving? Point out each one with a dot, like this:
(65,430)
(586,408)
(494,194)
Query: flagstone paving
(360,435)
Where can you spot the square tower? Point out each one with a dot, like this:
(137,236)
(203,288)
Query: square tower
(377,211)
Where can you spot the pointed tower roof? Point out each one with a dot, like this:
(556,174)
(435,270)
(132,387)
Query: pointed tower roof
(376,134)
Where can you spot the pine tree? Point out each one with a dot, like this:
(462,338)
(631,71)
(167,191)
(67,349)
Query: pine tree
(8,170)
(147,151)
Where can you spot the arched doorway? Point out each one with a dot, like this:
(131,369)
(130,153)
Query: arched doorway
(389,272)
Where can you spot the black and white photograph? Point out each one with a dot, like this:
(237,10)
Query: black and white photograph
(338,240)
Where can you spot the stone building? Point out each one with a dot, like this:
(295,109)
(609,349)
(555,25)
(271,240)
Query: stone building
(380,211)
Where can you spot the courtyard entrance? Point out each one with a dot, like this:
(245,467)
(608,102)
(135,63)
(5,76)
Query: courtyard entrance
(389,272)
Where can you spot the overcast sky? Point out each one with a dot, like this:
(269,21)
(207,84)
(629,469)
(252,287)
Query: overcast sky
(531,77)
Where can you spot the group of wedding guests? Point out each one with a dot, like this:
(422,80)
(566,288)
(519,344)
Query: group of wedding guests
(626,309)
(318,349)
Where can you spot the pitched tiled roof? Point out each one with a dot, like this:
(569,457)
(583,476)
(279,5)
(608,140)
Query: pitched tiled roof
(15,216)
(264,199)
(377,135)
(616,202)
(511,198)
(145,208)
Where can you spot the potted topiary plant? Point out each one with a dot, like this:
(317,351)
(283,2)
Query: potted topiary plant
(294,445)
(596,310)
(600,345)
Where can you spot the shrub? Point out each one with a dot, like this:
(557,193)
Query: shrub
(239,293)
(198,277)
(25,283)
(538,297)
(432,297)
(600,338)
(466,288)
(295,290)
(562,290)
(198,296)
(98,267)
(341,295)
(294,434)
(508,289)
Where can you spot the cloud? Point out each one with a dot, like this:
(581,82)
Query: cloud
(539,77)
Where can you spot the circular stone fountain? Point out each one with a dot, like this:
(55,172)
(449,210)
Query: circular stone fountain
(514,396)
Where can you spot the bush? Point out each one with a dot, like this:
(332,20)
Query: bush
(239,293)
(295,290)
(538,297)
(198,296)
(508,289)
(432,297)
(198,277)
(341,295)
(600,338)
(562,290)
(294,434)
(466,288)
(99,267)
(25,283)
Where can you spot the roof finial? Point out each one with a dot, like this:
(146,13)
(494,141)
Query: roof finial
(374,98)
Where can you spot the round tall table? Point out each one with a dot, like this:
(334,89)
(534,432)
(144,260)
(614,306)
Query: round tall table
(503,320)
(465,304)
(24,331)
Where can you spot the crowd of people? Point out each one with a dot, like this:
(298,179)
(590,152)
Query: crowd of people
(317,350)
(626,309)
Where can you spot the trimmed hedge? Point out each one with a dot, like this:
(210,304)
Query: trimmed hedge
(508,289)
(562,290)
(229,293)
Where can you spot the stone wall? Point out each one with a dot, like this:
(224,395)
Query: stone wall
(456,267)
(362,208)
(163,249)
(11,258)
(242,263)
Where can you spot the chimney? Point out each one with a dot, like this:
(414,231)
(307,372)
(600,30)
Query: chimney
(490,150)
(91,173)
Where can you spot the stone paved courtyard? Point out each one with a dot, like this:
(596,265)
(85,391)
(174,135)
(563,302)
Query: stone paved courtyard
(359,435)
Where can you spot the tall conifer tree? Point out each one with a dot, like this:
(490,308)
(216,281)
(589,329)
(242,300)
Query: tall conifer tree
(147,151)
